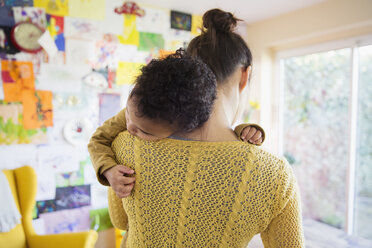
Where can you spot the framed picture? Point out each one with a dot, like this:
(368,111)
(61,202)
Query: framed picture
(181,21)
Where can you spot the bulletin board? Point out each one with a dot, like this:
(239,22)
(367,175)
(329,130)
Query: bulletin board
(52,101)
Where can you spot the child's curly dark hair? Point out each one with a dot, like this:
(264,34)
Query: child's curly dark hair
(178,89)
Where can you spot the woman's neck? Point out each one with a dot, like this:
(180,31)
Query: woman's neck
(218,126)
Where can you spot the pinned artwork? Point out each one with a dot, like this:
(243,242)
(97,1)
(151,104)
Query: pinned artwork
(130,8)
(109,105)
(95,80)
(37,109)
(72,178)
(78,131)
(46,206)
(56,29)
(83,28)
(131,34)
(71,220)
(181,21)
(72,197)
(6,16)
(92,9)
(30,14)
(53,7)
(17,76)
(46,41)
(148,41)
(196,24)
(127,72)
(155,21)
(104,53)
(58,158)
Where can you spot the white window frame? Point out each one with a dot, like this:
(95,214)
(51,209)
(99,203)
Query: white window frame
(352,43)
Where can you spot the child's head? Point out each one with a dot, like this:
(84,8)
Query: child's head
(172,94)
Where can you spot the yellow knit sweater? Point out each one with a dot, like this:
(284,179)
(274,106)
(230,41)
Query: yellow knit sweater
(205,194)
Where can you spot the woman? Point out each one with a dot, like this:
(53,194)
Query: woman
(205,188)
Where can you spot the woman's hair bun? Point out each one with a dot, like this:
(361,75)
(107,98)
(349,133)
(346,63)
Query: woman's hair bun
(219,20)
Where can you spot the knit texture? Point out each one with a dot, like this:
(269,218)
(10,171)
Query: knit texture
(205,194)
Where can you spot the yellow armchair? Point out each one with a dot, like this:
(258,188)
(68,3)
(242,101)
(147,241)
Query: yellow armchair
(22,182)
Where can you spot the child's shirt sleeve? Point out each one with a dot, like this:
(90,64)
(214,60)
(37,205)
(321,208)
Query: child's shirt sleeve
(239,129)
(99,147)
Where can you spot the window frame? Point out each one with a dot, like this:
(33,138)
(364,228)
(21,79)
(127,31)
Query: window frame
(354,44)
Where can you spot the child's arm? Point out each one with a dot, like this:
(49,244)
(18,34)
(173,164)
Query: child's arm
(103,158)
(251,133)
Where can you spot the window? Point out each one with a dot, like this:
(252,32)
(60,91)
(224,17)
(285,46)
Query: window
(322,117)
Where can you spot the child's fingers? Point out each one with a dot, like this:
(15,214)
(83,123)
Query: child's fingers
(122,180)
(245,133)
(255,137)
(124,190)
(125,170)
(257,142)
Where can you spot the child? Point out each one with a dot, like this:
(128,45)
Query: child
(191,89)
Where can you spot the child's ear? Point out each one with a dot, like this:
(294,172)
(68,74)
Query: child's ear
(244,78)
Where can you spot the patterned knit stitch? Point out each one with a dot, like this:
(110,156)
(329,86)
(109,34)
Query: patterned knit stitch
(205,194)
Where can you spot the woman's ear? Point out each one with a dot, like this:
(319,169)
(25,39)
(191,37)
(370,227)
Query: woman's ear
(244,77)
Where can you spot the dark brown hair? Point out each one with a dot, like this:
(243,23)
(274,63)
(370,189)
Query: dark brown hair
(219,46)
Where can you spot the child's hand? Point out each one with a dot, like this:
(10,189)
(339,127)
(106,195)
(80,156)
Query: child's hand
(120,182)
(252,135)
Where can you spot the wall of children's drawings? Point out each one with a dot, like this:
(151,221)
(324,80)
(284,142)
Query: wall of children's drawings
(55,89)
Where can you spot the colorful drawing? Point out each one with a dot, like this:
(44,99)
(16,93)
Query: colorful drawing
(105,52)
(56,30)
(109,105)
(37,109)
(180,20)
(71,220)
(53,7)
(30,14)
(89,9)
(73,178)
(78,131)
(148,41)
(17,77)
(46,206)
(127,72)
(73,197)
(130,8)
(196,24)
(131,34)
(12,130)
(83,28)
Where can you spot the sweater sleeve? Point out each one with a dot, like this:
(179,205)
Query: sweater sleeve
(239,129)
(285,229)
(99,147)
(117,213)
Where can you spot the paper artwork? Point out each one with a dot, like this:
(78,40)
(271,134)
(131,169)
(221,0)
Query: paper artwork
(196,24)
(17,2)
(130,8)
(58,158)
(70,178)
(61,78)
(56,29)
(95,80)
(12,130)
(89,9)
(131,34)
(155,21)
(71,220)
(79,51)
(46,41)
(148,41)
(53,7)
(17,76)
(6,16)
(83,28)
(104,52)
(127,72)
(180,20)
(78,131)
(46,206)
(30,14)
(109,105)
(37,109)
(72,197)
(46,183)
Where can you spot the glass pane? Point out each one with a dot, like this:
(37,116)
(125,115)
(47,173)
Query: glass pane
(363,197)
(316,98)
